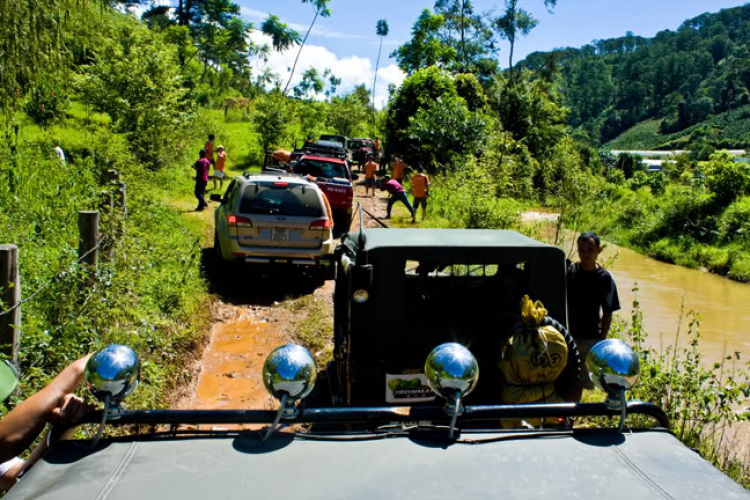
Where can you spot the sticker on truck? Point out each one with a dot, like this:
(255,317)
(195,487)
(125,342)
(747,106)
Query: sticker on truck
(407,388)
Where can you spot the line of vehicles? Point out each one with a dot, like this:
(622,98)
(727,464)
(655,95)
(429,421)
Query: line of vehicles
(291,212)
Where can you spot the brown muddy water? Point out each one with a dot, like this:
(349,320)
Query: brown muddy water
(723,304)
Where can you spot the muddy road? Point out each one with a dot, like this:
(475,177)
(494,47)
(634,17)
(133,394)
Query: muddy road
(252,314)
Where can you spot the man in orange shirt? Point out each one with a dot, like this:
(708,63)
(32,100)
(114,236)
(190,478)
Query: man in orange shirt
(370,168)
(398,170)
(221,161)
(209,147)
(420,188)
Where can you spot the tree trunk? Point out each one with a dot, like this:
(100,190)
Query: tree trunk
(377,64)
(463,30)
(300,51)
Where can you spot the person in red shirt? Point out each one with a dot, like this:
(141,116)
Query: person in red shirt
(202,166)
(397,193)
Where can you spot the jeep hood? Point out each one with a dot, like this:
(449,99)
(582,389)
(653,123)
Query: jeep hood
(648,464)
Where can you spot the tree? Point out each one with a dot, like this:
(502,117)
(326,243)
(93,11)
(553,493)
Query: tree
(382,31)
(468,33)
(727,179)
(514,23)
(147,105)
(272,119)
(321,9)
(282,36)
(426,47)
(348,115)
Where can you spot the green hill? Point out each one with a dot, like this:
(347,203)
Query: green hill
(694,79)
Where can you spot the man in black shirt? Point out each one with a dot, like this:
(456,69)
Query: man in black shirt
(591,289)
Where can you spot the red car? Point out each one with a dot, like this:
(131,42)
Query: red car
(334,178)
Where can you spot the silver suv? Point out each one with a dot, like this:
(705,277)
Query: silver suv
(274,219)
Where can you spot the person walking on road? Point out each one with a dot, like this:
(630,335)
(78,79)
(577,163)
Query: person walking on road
(221,161)
(591,290)
(397,193)
(420,188)
(209,147)
(399,166)
(202,167)
(370,168)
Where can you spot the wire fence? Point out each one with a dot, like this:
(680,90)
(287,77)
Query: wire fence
(56,277)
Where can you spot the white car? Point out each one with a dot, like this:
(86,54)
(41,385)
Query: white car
(274,220)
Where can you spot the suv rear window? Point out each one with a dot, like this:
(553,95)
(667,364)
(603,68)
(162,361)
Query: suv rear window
(321,169)
(268,198)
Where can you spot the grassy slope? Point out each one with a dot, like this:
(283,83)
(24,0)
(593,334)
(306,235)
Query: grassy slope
(729,130)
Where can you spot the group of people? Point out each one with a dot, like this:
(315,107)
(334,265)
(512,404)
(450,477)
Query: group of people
(394,185)
(206,160)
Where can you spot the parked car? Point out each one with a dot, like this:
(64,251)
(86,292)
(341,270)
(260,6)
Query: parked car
(361,149)
(341,139)
(274,220)
(335,178)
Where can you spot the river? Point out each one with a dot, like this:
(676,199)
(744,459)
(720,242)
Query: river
(723,305)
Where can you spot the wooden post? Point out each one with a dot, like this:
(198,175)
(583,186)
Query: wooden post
(10,295)
(123,198)
(111,176)
(88,236)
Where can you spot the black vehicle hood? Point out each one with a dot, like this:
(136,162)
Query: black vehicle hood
(648,465)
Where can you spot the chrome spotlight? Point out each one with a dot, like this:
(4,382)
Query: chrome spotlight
(452,373)
(289,374)
(113,372)
(614,368)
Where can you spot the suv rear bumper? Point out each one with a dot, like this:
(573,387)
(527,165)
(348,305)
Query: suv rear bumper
(283,255)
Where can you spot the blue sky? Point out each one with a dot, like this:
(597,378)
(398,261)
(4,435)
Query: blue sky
(346,42)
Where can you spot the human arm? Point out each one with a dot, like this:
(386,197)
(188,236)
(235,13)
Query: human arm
(22,425)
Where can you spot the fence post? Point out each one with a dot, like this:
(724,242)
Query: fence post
(88,236)
(10,295)
(123,198)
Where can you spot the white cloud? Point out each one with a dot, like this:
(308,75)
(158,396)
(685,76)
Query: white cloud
(138,10)
(318,30)
(352,70)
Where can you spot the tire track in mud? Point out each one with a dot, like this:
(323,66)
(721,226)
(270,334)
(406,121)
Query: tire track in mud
(251,316)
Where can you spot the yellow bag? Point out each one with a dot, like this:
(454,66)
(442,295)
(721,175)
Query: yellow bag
(529,394)
(534,355)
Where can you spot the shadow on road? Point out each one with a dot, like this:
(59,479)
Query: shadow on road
(238,284)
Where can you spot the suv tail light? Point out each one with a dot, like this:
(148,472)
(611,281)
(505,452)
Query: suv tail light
(237,221)
(321,224)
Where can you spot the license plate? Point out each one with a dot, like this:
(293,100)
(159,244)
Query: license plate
(280,234)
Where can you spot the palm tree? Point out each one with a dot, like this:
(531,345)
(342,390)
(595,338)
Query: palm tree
(382,31)
(321,9)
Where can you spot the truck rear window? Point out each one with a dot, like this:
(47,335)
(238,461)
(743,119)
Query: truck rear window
(321,169)
(267,198)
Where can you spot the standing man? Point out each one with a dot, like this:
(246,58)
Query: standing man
(397,193)
(209,147)
(221,161)
(202,166)
(420,188)
(399,166)
(591,290)
(60,153)
(370,168)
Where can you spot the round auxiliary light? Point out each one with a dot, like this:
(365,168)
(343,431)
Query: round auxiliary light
(360,296)
(449,368)
(290,370)
(113,371)
(613,366)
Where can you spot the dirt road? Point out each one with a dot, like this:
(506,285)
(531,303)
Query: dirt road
(253,314)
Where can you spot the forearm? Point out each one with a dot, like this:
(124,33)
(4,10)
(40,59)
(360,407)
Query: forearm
(606,323)
(22,425)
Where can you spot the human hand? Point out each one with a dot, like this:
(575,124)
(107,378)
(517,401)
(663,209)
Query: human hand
(71,410)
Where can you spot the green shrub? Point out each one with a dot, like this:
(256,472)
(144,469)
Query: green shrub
(734,224)
(739,266)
